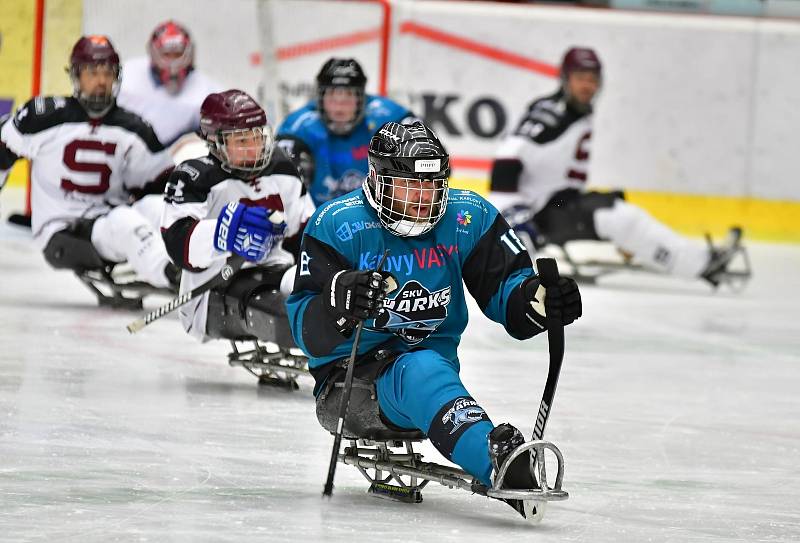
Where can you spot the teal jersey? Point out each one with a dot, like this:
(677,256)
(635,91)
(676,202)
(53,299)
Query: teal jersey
(332,164)
(472,248)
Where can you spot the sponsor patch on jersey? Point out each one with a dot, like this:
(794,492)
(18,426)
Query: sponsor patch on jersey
(347,202)
(191,171)
(414,312)
(463,217)
(428,165)
(347,230)
(422,258)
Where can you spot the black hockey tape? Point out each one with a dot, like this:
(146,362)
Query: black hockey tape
(452,420)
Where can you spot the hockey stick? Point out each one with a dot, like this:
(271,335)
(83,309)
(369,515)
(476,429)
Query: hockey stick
(231,266)
(348,387)
(548,274)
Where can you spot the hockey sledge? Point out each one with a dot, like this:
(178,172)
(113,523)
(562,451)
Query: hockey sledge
(396,472)
(270,363)
(734,275)
(113,284)
(118,289)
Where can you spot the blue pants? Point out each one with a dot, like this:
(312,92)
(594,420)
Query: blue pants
(422,390)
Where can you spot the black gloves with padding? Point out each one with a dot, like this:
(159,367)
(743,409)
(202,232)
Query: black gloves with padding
(356,294)
(562,301)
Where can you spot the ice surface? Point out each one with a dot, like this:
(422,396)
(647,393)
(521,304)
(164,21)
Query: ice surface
(677,411)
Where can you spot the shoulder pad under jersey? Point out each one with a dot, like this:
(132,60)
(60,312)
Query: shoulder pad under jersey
(192,180)
(546,120)
(132,122)
(43,112)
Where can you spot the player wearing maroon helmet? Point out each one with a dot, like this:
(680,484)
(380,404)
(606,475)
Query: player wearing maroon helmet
(164,87)
(90,159)
(244,198)
(544,163)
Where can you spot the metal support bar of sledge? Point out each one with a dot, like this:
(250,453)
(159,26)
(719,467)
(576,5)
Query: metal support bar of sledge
(451,477)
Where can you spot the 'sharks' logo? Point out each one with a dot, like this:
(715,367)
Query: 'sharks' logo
(414,312)
(464,411)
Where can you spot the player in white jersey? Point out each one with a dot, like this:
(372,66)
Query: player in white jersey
(544,163)
(164,87)
(90,159)
(245,198)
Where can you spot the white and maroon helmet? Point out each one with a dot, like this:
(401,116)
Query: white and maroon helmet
(235,113)
(171,51)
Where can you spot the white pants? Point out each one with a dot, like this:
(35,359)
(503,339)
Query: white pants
(130,234)
(649,241)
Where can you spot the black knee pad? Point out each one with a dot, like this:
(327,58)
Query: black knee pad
(72,248)
(453,419)
(364,419)
(569,215)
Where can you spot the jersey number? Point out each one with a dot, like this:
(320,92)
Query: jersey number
(512,241)
(101,168)
(581,155)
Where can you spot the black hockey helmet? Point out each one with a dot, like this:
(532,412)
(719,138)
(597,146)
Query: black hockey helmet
(342,73)
(408,177)
(91,51)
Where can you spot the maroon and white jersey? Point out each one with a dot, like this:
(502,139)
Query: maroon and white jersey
(80,167)
(549,149)
(171,115)
(197,191)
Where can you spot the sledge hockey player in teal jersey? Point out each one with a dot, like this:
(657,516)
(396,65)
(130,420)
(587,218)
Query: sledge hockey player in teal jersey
(439,243)
(327,138)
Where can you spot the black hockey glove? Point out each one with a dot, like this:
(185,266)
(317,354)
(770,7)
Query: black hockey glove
(562,301)
(356,294)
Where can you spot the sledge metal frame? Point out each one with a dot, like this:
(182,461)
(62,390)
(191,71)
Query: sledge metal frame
(736,280)
(374,458)
(270,363)
(119,290)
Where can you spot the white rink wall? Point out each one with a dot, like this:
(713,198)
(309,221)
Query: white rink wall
(691,104)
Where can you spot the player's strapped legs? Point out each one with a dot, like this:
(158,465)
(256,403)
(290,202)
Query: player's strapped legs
(422,389)
(125,235)
(654,244)
(72,248)
(252,306)
(569,215)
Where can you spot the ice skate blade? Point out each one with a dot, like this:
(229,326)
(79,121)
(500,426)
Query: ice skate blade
(533,494)
(534,511)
